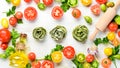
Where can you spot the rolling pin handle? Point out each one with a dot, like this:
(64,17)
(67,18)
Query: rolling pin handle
(92,36)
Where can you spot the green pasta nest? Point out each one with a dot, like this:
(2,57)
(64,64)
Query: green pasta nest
(39,33)
(58,33)
(80,33)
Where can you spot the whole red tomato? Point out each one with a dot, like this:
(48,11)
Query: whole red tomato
(4,46)
(36,64)
(76,13)
(19,15)
(89,58)
(31,56)
(5,35)
(13,21)
(113,27)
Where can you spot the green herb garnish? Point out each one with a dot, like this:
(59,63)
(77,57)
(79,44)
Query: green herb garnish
(11,11)
(15,35)
(100,41)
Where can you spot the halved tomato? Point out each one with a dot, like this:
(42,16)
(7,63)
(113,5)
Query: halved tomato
(47,64)
(101,1)
(47,2)
(69,52)
(56,56)
(95,9)
(30,13)
(57,12)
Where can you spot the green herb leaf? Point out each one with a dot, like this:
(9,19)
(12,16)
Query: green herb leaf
(11,11)
(65,7)
(8,1)
(99,41)
(105,40)
(20,21)
(48,57)
(58,48)
(28,65)
(14,35)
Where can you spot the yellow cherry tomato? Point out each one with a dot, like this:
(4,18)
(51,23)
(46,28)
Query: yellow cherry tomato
(111,36)
(115,42)
(108,51)
(86,2)
(4,23)
(16,2)
(56,56)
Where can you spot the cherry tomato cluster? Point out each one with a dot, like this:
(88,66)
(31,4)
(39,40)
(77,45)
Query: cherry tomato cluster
(5,36)
(14,19)
(113,28)
(37,64)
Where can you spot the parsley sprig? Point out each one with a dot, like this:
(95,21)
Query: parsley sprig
(100,41)
(11,11)
(15,35)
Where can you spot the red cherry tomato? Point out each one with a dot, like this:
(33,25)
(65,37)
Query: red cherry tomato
(106,63)
(31,56)
(47,64)
(90,58)
(36,64)
(4,46)
(76,13)
(119,33)
(113,27)
(69,52)
(95,9)
(37,1)
(19,15)
(27,1)
(5,35)
(47,2)
(13,21)
(101,1)
(30,13)
(57,12)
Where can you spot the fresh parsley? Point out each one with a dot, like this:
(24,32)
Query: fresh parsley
(100,41)
(15,35)
(11,11)
(20,21)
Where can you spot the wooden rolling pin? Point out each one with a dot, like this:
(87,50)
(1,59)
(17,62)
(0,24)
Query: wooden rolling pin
(105,20)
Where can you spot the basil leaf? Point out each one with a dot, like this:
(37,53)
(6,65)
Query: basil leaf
(48,57)
(20,21)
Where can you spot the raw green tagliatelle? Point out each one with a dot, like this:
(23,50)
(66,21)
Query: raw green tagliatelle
(80,33)
(58,33)
(39,33)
